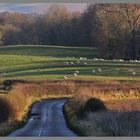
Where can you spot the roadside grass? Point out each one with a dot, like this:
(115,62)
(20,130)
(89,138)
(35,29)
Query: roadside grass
(107,124)
(122,100)
(119,96)
(20,98)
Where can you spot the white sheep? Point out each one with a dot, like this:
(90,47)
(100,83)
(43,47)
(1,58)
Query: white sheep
(77,72)
(131,70)
(93,71)
(100,70)
(72,63)
(121,60)
(95,59)
(66,63)
(65,77)
(117,69)
(85,63)
(78,62)
(134,73)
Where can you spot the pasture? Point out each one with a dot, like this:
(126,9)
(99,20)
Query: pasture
(60,62)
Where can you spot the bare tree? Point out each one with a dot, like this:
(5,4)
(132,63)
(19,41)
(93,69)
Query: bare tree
(130,13)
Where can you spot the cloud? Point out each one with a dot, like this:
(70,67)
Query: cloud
(38,7)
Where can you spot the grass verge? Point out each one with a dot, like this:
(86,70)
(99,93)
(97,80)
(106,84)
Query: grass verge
(120,118)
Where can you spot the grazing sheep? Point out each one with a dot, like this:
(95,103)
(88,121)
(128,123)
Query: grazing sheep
(117,69)
(85,63)
(72,63)
(93,71)
(134,73)
(136,61)
(95,59)
(121,60)
(75,74)
(131,70)
(114,60)
(78,62)
(66,63)
(65,77)
(100,70)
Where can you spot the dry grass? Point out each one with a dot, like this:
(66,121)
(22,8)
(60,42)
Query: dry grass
(122,100)
(22,95)
(109,91)
(116,95)
(109,124)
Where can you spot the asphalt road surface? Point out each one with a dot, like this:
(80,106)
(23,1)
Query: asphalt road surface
(47,119)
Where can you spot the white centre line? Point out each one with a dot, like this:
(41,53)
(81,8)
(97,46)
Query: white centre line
(45,119)
(42,127)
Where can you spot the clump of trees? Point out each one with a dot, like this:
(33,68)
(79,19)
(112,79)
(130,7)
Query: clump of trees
(113,28)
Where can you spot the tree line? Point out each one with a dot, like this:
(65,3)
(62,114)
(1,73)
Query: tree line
(113,28)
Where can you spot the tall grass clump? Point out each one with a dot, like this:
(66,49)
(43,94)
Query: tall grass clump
(94,105)
(111,124)
(6,110)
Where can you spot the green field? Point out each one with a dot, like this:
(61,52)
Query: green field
(49,62)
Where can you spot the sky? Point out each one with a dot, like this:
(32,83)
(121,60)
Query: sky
(38,7)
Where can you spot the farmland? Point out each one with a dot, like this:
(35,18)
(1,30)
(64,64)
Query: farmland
(55,62)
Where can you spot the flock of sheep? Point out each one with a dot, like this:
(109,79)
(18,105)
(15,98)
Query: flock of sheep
(82,60)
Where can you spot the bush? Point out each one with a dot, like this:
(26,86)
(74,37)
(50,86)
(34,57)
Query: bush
(81,113)
(5,110)
(94,104)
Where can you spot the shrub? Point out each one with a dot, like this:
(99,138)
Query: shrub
(94,104)
(5,110)
(81,113)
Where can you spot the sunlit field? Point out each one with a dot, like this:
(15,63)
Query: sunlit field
(59,62)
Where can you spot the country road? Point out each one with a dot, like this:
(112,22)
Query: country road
(46,119)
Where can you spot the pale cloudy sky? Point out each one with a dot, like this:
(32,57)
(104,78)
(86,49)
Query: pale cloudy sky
(38,7)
